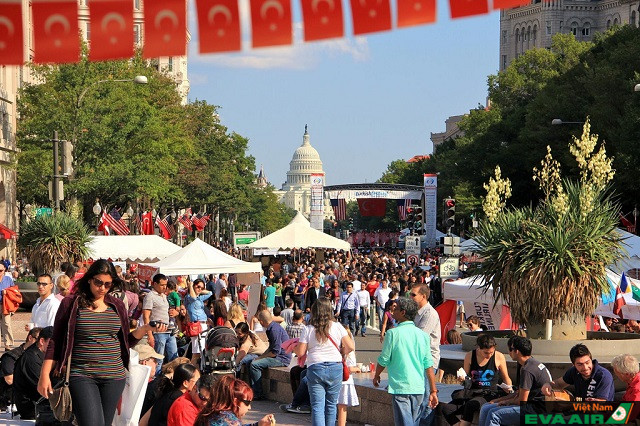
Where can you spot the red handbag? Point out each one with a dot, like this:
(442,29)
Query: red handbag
(193,329)
(345,370)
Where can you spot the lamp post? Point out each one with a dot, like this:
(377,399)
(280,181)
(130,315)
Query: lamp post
(636,88)
(130,214)
(97,208)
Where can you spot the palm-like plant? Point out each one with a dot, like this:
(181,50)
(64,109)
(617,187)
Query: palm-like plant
(50,240)
(549,262)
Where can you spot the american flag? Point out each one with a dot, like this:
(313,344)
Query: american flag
(138,223)
(114,221)
(166,226)
(339,208)
(403,205)
(185,219)
(200,221)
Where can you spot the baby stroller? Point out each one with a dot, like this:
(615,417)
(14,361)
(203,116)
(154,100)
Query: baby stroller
(219,356)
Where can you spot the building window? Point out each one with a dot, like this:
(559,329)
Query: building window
(136,4)
(574,28)
(535,34)
(609,24)
(615,21)
(561,26)
(504,35)
(504,62)
(586,30)
(548,27)
(632,21)
(88,31)
(136,34)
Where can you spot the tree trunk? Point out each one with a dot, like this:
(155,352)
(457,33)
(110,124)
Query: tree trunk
(570,328)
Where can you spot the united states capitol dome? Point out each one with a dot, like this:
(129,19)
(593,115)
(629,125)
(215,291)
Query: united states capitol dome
(304,162)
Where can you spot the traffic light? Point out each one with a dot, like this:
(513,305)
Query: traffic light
(67,158)
(417,225)
(449,213)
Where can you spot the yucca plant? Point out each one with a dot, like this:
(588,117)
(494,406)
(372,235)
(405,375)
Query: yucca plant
(549,262)
(48,241)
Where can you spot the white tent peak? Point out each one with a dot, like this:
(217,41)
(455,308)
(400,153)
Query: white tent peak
(133,248)
(300,219)
(199,257)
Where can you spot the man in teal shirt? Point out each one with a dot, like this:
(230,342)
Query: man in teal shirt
(406,354)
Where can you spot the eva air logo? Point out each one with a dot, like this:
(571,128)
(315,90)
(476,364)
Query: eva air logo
(621,415)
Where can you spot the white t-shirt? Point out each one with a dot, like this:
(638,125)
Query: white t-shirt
(325,351)
(382,295)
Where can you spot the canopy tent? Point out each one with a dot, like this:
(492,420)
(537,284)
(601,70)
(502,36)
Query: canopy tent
(632,247)
(299,234)
(201,258)
(468,246)
(471,290)
(132,248)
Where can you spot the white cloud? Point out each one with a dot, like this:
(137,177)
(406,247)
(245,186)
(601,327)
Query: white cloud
(298,56)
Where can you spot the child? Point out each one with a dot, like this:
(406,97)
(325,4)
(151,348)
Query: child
(348,396)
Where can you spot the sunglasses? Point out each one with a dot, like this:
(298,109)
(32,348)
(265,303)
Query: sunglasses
(198,287)
(511,349)
(414,295)
(246,402)
(42,284)
(202,397)
(100,283)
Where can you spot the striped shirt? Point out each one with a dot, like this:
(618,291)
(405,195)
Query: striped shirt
(96,350)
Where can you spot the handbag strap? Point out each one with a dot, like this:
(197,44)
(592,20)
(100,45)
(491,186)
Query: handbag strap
(337,347)
(68,372)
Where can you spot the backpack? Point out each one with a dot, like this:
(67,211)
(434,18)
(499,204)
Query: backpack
(11,300)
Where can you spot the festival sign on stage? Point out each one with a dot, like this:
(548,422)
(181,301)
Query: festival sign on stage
(317,201)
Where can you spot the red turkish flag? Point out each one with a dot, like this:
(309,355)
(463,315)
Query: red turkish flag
(508,4)
(322,19)
(11,32)
(463,8)
(372,206)
(165,28)
(370,16)
(112,29)
(55,31)
(218,25)
(416,12)
(271,22)
(147,223)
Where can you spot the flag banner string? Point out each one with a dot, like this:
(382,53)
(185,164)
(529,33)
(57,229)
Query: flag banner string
(55,25)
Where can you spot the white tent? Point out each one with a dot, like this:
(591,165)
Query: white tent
(201,258)
(468,246)
(470,290)
(299,234)
(132,248)
(631,245)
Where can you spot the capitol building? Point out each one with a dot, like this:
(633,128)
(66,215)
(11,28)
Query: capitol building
(296,191)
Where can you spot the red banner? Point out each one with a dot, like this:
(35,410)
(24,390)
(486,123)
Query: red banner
(463,8)
(55,31)
(11,33)
(508,4)
(112,29)
(416,12)
(165,29)
(372,206)
(147,223)
(322,19)
(370,16)
(271,22)
(218,25)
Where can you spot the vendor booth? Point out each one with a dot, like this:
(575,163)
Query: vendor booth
(131,248)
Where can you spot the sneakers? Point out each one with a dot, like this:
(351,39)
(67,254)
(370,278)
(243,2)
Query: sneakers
(288,408)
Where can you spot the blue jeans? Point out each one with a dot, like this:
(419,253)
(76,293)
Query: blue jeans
(380,311)
(406,409)
(255,372)
(348,319)
(324,380)
(301,397)
(165,341)
(427,415)
(246,360)
(496,415)
(364,316)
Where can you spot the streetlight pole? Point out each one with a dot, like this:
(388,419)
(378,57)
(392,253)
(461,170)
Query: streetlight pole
(56,176)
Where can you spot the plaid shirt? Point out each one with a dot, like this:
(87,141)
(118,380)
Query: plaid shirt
(295,330)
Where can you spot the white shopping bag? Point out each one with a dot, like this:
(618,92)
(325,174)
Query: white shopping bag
(128,412)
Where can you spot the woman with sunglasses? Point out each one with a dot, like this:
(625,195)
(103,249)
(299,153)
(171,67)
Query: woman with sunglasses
(230,401)
(194,301)
(92,327)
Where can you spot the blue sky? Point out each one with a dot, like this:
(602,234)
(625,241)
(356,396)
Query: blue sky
(367,100)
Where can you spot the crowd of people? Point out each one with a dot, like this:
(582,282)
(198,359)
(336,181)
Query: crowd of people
(311,305)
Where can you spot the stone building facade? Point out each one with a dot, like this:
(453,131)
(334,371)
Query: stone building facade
(533,25)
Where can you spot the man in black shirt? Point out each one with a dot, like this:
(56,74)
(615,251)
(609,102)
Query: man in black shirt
(533,375)
(8,364)
(27,374)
